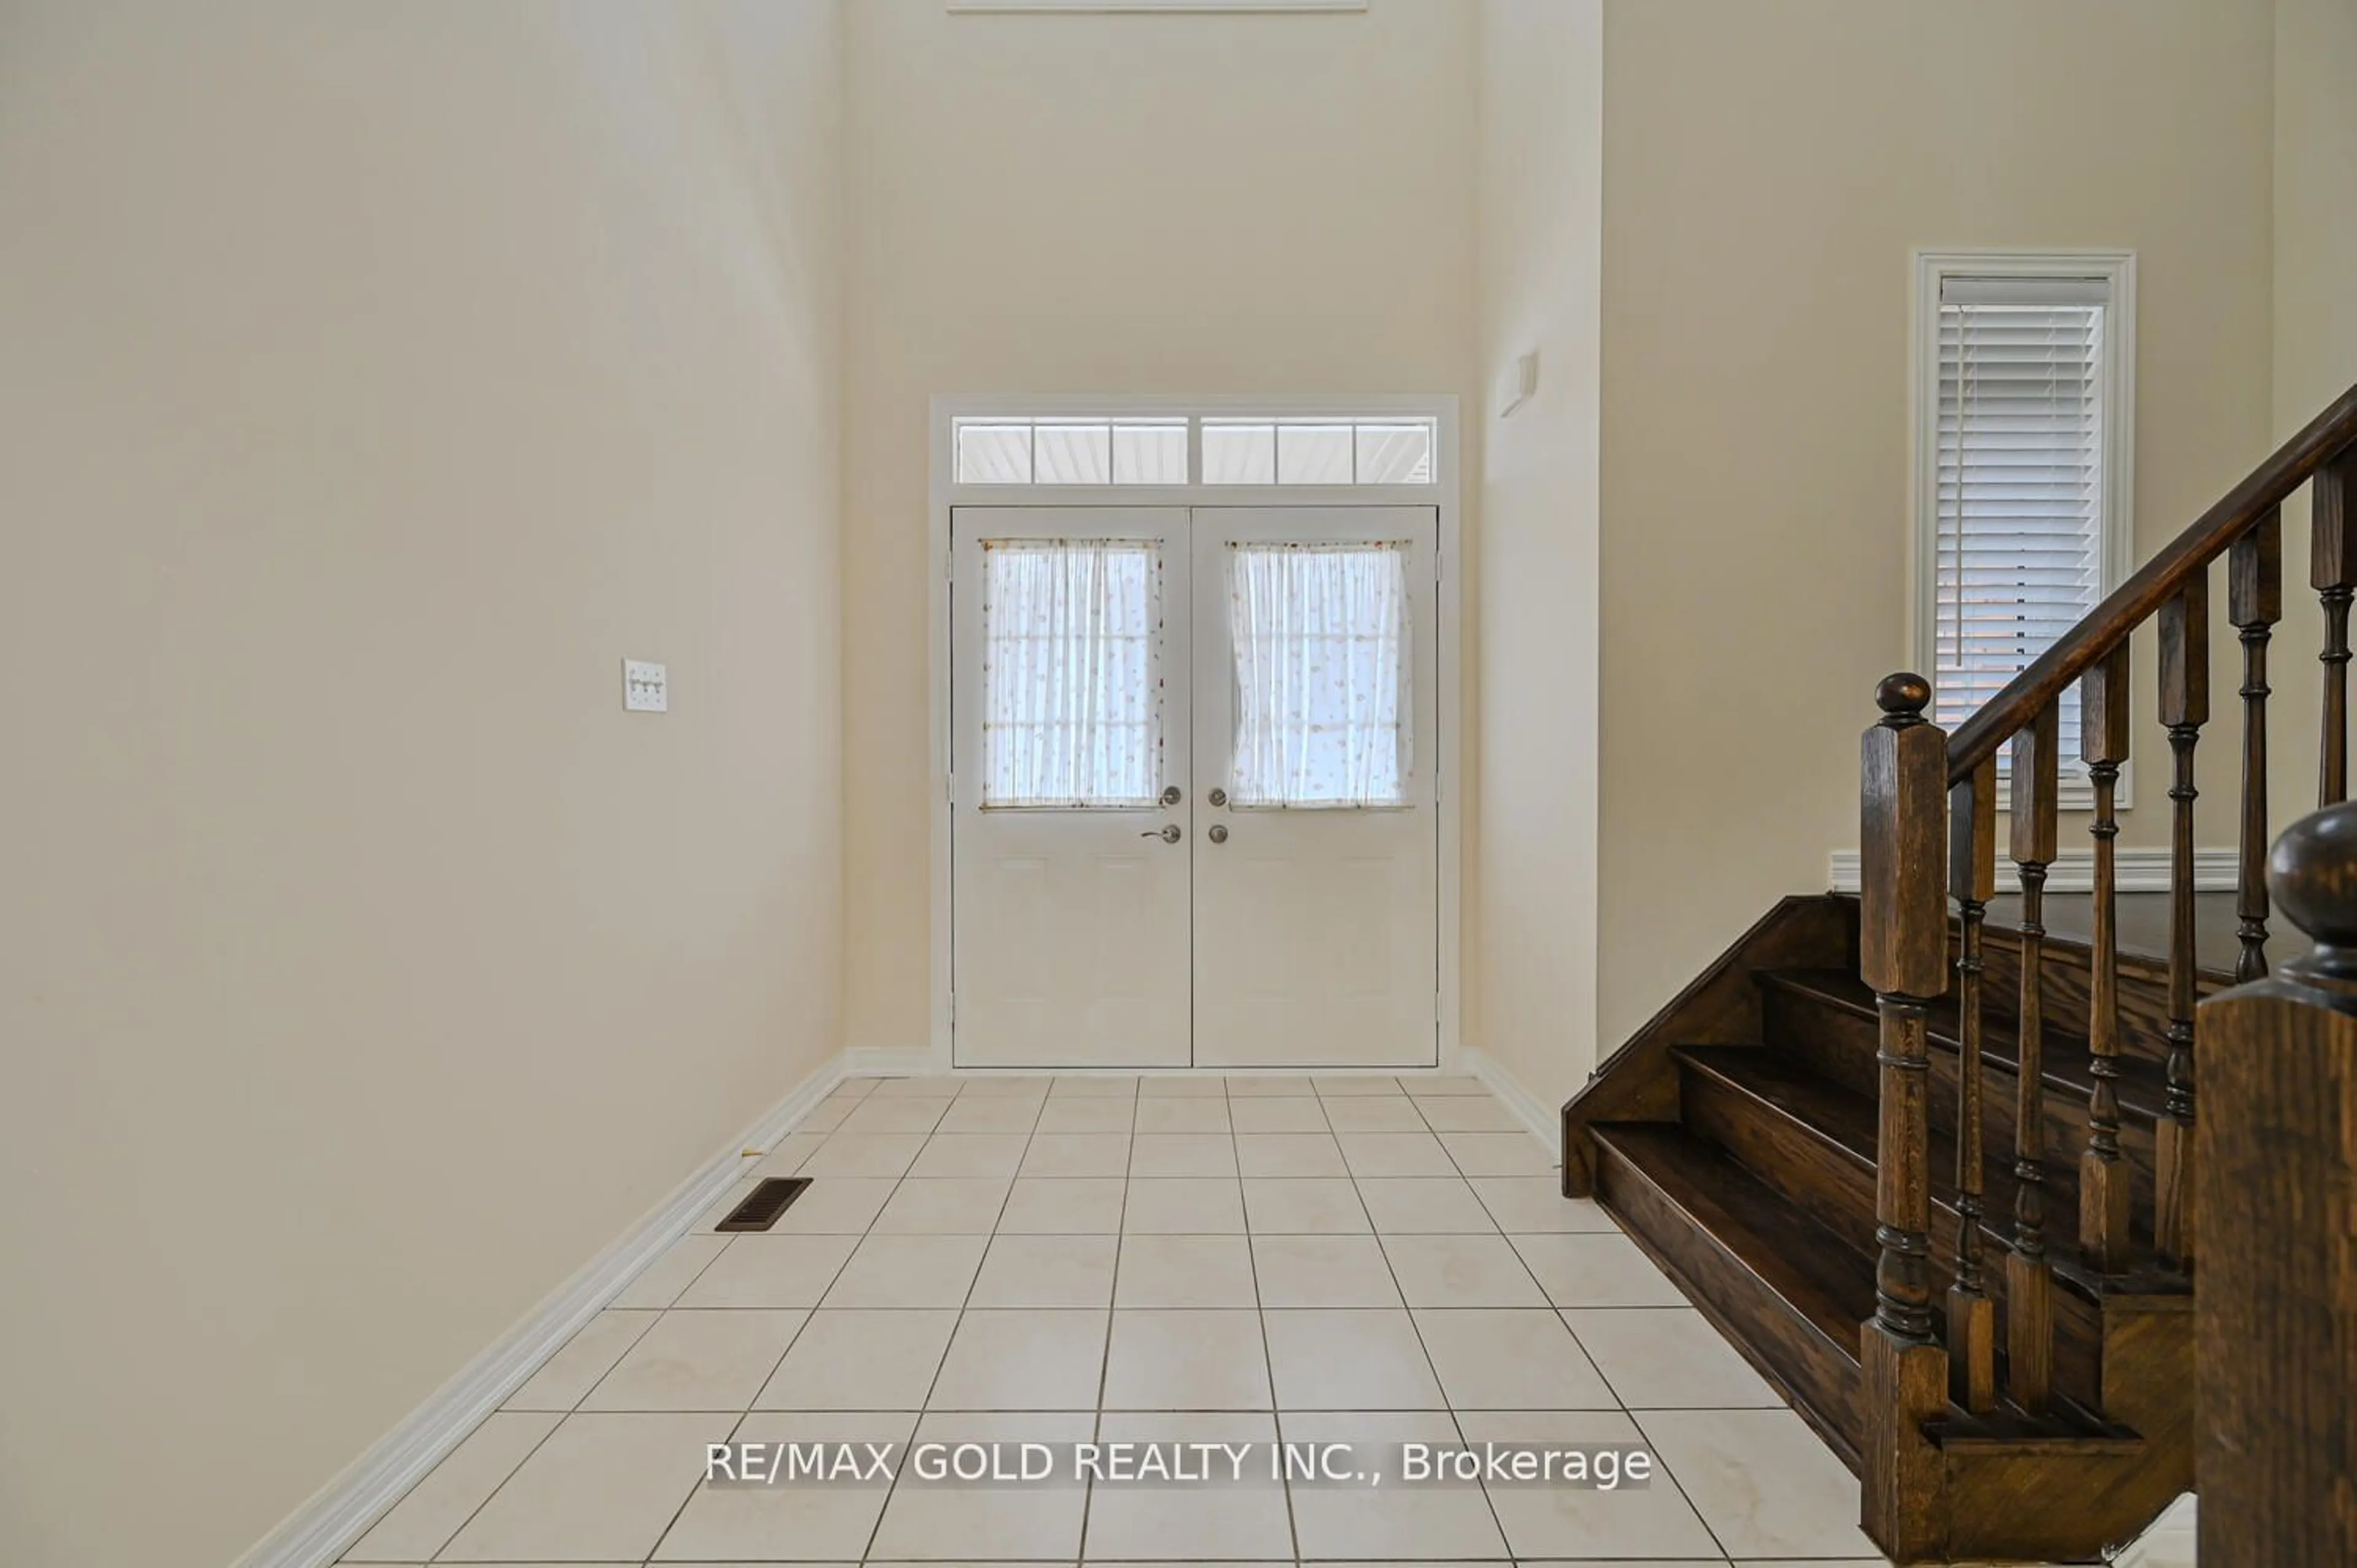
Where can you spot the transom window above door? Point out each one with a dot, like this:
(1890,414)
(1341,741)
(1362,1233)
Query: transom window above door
(1195,449)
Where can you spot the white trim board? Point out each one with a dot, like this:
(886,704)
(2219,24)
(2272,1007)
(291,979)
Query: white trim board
(2133,871)
(324,1526)
(1541,1123)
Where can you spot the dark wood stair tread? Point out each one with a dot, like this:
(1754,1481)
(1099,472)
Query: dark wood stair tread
(2065,1067)
(1819,1273)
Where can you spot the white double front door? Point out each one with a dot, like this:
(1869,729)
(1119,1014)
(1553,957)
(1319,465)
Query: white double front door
(1192,790)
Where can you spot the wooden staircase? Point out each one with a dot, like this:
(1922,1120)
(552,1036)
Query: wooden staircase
(1736,1140)
(1936,1170)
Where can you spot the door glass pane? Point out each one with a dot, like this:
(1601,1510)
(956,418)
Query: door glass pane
(1239,453)
(1313,454)
(1152,454)
(994,454)
(1322,705)
(1395,454)
(1075,454)
(1071,686)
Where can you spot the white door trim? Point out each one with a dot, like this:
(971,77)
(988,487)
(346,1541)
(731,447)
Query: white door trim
(1445,493)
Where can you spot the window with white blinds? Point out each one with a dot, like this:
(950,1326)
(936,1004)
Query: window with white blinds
(2022,469)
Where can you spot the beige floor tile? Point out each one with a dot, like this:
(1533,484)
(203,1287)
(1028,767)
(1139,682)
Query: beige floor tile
(603,1488)
(1247,1087)
(1512,1359)
(1279,1113)
(1185,1206)
(589,1355)
(1498,1153)
(1597,1270)
(942,1206)
(1182,1086)
(908,1271)
(991,1113)
(853,1088)
(1341,1520)
(1322,1270)
(1348,1360)
(1047,1270)
(1210,1522)
(925,1086)
(1333,1085)
(826,1116)
(770,1270)
(1185,1270)
(1408,1205)
(1084,1113)
(698,1361)
(1534,1205)
(1182,1154)
(1373,1113)
(1544,1520)
(1023,1360)
(1289,1155)
(1467,1114)
(1461,1271)
(1181,1113)
(1762,1481)
(787,1522)
(995,1154)
(1077,1154)
(860,1361)
(1444,1083)
(1396,1155)
(1187,1360)
(837,1206)
(1668,1358)
(1304,1206)
(1064,1205)
(424,1519)
(883,1113)
(1004,1086)
(936,1522)
(675,1268)
(864,1155)
(788,1154)
(1098,1085)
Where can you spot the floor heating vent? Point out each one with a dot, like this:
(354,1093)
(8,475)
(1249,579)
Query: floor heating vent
(771,1196)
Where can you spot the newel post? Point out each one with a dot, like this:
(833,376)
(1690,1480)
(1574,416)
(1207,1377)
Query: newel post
(1903,947)
(2276,1182)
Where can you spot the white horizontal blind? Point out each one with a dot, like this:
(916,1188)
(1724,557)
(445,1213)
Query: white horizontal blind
(2020,480)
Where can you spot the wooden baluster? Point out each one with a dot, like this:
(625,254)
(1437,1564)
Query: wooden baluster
(2254,603)
(1903,950)
(2029,1277)
(1972,878)
(2184,708)
(2332,571)
(2104,1185)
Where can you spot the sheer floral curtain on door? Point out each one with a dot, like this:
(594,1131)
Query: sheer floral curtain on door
(1322,704)
(1071,680)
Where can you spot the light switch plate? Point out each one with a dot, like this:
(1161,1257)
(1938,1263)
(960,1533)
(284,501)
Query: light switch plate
(646,688)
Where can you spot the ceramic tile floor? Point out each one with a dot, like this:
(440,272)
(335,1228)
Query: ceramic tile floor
(1352,1259)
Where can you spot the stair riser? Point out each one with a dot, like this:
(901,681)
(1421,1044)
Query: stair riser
(1838,1192)
(1820,1377)
(1840,1045)
(2069,991)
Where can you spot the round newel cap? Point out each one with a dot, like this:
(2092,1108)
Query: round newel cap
(2313,874)
(1904,692)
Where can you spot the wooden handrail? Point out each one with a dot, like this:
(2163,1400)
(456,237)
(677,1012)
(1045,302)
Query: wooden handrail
(2155,582)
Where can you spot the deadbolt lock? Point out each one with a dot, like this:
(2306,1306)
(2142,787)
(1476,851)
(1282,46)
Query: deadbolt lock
(1170,795)
(1219,797)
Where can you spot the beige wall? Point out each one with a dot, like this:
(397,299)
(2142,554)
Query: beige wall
(1768,169)
(376,379)
(1110,203)
(1531,921)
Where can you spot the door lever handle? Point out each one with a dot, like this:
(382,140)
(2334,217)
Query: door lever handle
(1168,833)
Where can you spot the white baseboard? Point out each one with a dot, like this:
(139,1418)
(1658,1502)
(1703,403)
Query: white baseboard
(2133,871)
(1544,1123)
(889,1062)
(2167,1544)
(323,1527)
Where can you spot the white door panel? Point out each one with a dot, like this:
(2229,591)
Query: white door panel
(1070,913)
(1317,854)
